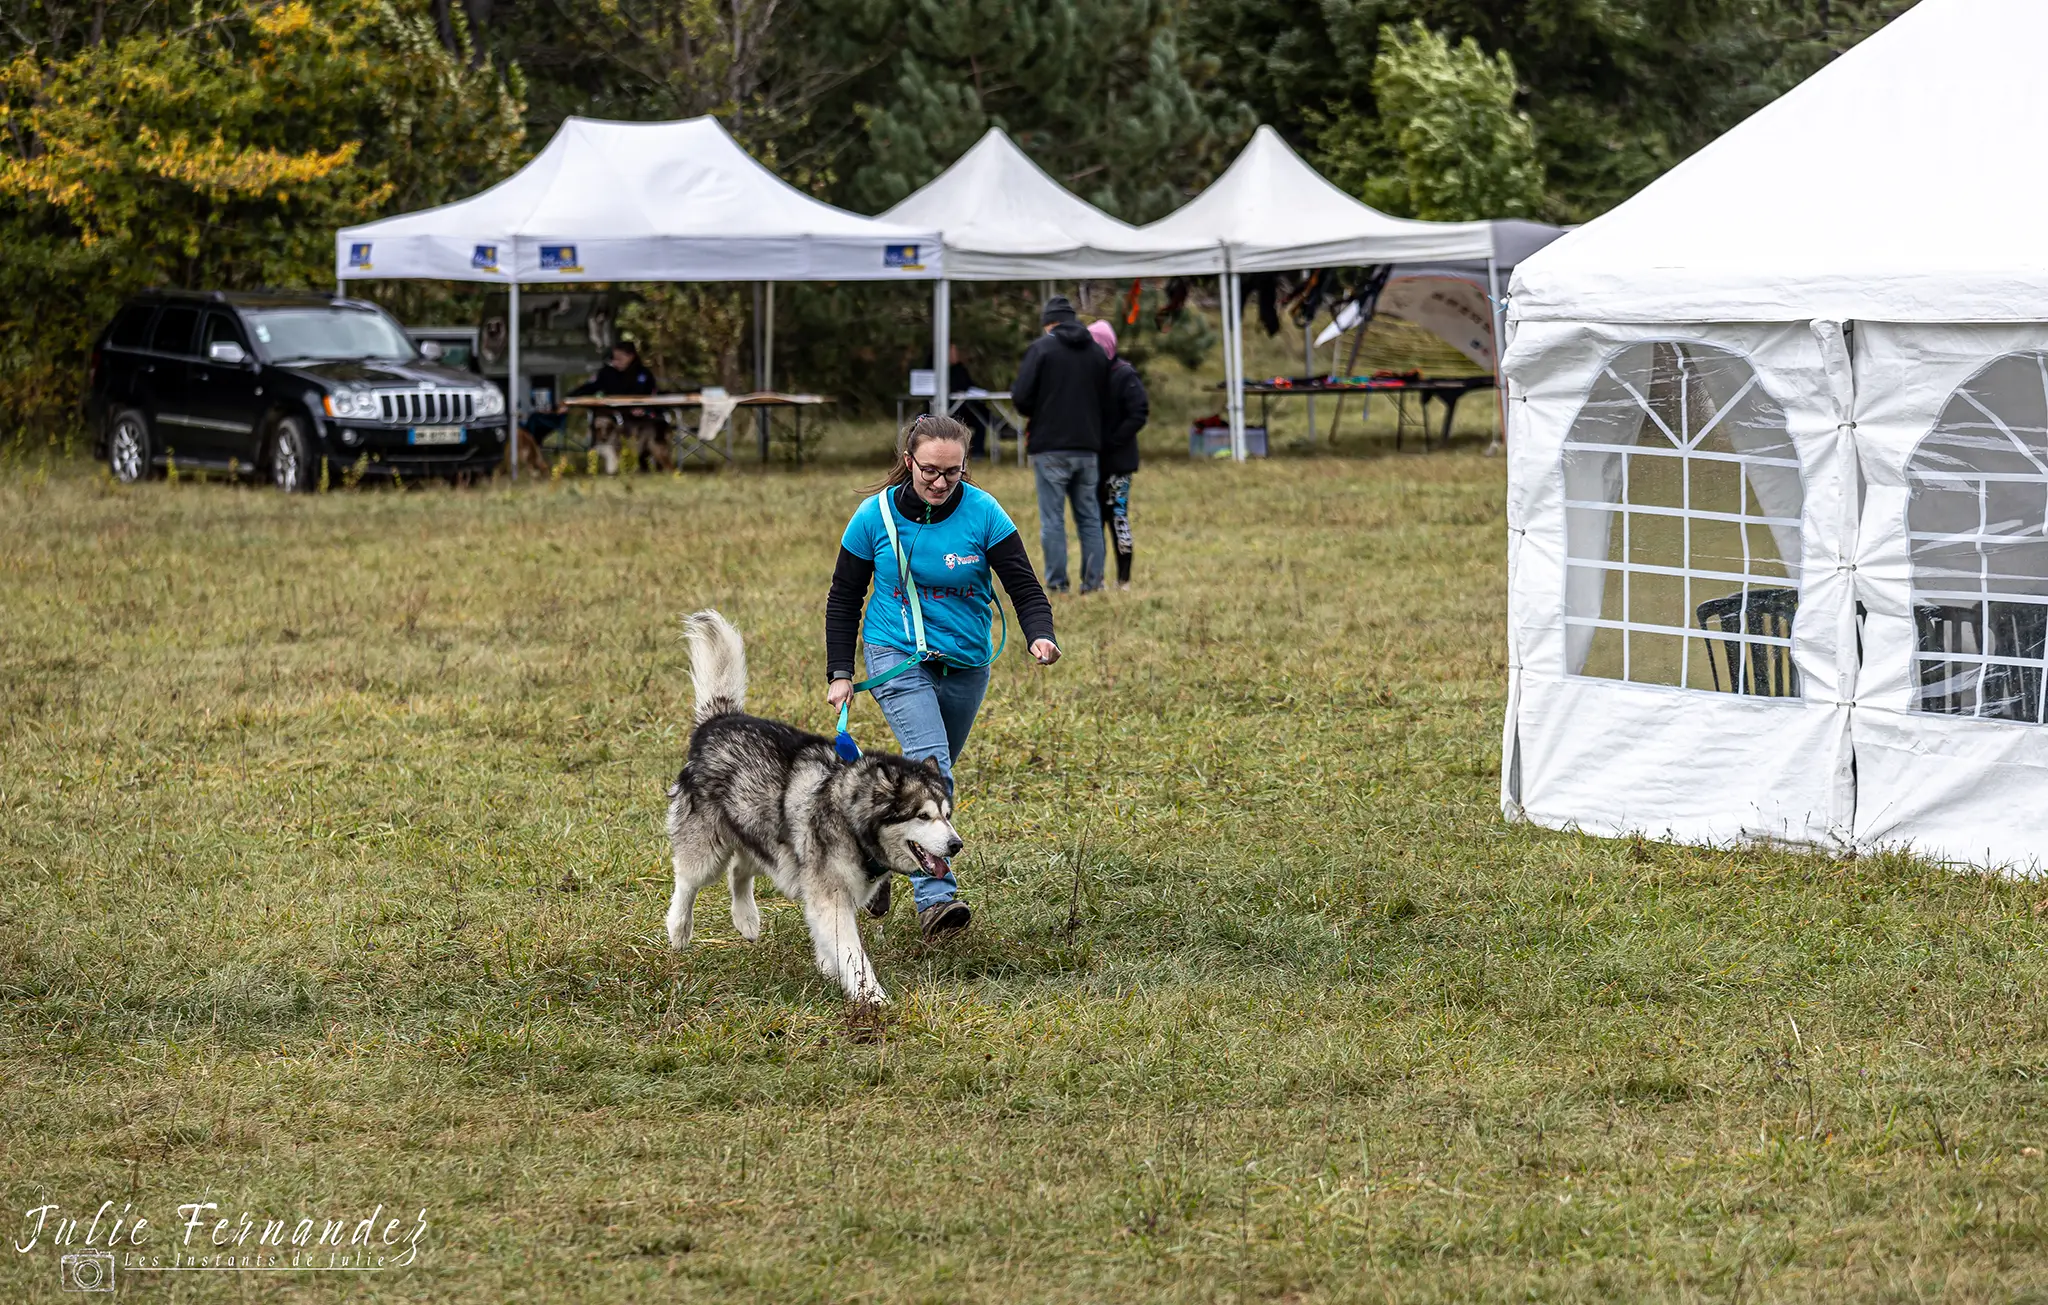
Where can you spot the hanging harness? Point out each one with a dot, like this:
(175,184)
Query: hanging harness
(849,750)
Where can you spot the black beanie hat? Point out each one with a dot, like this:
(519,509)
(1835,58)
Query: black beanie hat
(1059,308)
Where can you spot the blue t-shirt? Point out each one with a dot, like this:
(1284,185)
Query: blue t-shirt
(949,566)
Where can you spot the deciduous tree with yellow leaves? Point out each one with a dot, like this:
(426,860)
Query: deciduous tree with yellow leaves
(220,150)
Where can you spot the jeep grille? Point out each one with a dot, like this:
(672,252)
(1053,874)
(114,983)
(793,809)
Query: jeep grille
(412,406)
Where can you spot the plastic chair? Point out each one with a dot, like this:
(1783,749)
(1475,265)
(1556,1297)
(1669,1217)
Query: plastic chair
(1767,671)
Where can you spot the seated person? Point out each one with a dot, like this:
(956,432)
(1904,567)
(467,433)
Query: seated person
(624,374)
(973,413)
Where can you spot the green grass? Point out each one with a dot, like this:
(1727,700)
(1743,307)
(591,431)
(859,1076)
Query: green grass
(334,877)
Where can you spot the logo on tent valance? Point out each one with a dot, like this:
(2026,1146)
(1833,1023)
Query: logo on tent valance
(559,258)
(903,258)
(359,256)
(485,258)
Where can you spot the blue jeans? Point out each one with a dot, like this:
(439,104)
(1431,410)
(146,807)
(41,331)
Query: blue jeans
(1065,478)
(931,715)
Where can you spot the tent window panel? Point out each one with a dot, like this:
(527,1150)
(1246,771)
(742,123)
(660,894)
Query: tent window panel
(1683,486)
(1656,658)
(1656,539)
(1764,562)
(1605,658)
(1714,486)
(1977,519)
(1659,600)
(1719,546)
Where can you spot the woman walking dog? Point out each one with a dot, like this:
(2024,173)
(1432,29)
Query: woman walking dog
(928,542)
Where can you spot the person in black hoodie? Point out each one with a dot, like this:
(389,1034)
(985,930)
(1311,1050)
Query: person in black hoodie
(1062,387)
(1130,410)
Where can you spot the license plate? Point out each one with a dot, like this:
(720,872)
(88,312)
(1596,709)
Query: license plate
(437,435)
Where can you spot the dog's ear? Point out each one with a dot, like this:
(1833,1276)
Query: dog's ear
(932,764)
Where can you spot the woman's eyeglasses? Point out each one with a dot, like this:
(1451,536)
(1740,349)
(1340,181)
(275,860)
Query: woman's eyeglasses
(939,474)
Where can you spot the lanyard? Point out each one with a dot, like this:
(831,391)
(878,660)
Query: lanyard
(844,743)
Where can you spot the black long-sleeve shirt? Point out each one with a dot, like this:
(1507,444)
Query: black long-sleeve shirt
(610,380)
(1133,409)
(853,574)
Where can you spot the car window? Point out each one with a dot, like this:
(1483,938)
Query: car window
(173,332)
(328,334)
(131,327)
(220,328)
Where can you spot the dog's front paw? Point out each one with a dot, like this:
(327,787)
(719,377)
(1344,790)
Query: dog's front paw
(678,934)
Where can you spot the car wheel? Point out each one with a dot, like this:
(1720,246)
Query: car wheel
(128,455)
(291,460)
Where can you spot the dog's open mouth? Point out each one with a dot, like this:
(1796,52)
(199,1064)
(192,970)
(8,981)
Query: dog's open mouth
(935,866)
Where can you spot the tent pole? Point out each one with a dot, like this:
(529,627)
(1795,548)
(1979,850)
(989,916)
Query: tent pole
(1500,393)
(942,339)
(760,366)
(1308,367)
(1223,315)
(1238,369)
(512,395)
(768,344)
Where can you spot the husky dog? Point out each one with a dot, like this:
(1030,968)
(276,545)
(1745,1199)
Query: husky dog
(761,797)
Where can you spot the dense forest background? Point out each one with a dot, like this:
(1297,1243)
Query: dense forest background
(219,143)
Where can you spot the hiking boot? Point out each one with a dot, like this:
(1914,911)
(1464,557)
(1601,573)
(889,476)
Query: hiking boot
(878,905)
(941,920)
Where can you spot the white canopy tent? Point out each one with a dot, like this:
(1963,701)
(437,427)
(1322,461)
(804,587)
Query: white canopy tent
(637,201)
(1778,484)
(1004,219)
(1271,212)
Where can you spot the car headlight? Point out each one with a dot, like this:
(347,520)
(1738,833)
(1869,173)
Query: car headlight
(490,403)
(352,403)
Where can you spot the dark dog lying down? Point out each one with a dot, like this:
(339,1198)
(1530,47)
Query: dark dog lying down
(761,797)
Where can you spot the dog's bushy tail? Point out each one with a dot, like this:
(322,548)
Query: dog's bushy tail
(718,663)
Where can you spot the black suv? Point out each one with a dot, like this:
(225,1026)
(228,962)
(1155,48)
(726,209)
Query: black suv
(276,385)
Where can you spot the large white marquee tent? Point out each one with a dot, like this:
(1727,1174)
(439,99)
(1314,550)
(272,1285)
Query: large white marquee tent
(1778,485)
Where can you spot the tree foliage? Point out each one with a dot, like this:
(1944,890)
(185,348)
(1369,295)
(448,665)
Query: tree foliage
(1617,91)
(220,142)
(222,151)
(1449,143)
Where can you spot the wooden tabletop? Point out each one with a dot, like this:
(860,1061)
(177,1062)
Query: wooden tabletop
(761,399)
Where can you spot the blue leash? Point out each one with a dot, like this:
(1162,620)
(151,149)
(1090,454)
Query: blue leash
(844,745)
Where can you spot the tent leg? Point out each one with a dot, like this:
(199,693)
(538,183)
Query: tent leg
(514,400)
(768,344)
(1223,315)
(1308,368)
(761,365)
(1500,392)
(942,339)
(1237,439)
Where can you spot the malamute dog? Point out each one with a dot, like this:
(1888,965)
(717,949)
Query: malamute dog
(761,797)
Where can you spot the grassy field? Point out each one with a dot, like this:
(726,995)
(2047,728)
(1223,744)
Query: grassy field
(334,879)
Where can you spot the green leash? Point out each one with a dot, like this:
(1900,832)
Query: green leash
(847,748)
